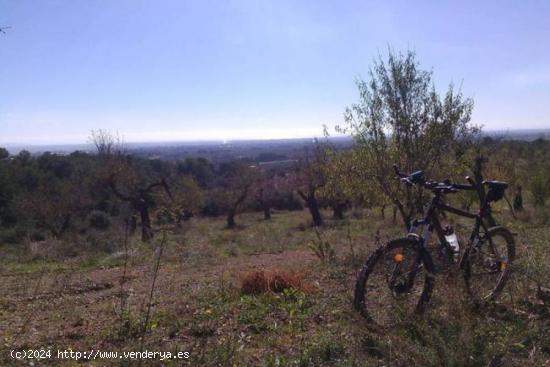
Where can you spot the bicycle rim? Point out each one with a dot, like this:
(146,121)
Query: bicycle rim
(394,284)
(488,264)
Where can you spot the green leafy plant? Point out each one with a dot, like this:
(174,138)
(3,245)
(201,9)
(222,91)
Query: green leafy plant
(323,249)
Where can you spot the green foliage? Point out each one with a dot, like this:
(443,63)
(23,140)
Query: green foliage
(401,119)
(99,220)
(324,349)
(195,311)
(235,180)
(199,169)
(4,153)
(255,312)
(296,306)
(265,312)
(188,197)
(539,185)
(323,249)
(12,235)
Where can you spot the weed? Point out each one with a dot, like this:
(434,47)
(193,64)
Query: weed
(324,349)
(323,249)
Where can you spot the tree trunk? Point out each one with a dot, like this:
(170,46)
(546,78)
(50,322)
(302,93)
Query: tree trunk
(338,211)
(518,199)
(313,207)
(406,217)
(394,215)
(267,212)
(231,219)
(233,211)
(146,230)
(64,225)
(132,224)
(478,175)
(58,232)
(383,211)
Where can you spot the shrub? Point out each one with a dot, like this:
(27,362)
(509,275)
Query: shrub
(542,216)
(37,236)
(211,209)
(100,242)
(287,201)
(323,249)
(99,220)
(13,235)
(539,185)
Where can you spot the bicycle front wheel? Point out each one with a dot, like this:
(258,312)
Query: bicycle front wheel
(487,264)
(395,282)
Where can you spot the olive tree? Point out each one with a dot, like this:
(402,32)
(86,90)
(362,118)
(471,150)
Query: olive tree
(308,177)
(129,179)
(402,119)
(235,182)
(339,190)
(188,198)
(54,203)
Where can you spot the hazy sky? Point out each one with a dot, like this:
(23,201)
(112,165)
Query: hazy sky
(178,69)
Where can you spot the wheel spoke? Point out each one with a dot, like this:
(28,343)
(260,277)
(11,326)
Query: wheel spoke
(394,283)
(488,264)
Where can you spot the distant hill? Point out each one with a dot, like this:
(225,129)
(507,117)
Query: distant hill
(252,150)
(520,134)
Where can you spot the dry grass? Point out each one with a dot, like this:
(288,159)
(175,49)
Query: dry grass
(269,302)
(258,282)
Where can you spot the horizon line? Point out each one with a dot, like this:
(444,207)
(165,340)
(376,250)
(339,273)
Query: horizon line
(227,140)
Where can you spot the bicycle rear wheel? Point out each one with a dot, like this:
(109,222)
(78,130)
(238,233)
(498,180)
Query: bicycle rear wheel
(486,264)
(395,282)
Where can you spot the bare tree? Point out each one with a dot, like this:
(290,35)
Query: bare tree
(106,143)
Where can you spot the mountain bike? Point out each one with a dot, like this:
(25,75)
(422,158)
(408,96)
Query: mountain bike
(398,278)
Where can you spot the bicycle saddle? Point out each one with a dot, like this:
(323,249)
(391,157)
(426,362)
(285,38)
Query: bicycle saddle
(499,185)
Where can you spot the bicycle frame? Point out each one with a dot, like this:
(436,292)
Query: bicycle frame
(431,222)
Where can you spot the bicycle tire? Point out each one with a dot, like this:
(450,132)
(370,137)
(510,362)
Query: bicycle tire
(360,294)
(499,266)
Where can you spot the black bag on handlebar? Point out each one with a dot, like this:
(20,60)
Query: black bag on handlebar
(496,190)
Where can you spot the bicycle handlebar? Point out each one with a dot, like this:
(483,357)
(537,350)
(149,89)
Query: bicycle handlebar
(445,186)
